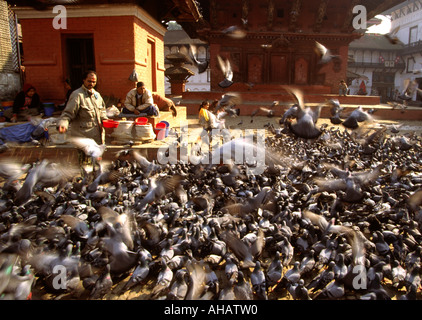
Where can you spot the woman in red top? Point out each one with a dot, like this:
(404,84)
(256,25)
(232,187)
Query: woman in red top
(27,103)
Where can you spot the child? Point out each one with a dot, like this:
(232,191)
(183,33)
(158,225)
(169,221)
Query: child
(343,88)
(207,119)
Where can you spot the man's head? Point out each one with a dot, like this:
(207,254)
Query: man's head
(90,79)
(140,87)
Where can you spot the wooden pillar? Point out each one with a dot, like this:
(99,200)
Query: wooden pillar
(245,12)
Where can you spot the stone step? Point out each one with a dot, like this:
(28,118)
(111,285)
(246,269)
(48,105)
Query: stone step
(251,102)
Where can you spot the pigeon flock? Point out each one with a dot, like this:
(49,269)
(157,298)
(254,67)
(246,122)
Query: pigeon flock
(336,214)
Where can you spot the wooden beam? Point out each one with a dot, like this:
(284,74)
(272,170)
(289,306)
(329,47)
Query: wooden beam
(321,13)
(245,11)
(294,14)
(270,14)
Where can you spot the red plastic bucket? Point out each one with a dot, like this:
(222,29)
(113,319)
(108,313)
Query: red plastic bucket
(110,123)
(167,126)
(160,130)
(141,121)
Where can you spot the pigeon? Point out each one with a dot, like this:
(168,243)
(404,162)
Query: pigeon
(234,32)
(148,167)
(298,290)
(198,278)
(349,182)
(121,258)
(7,262)
(138,276)
(179,288)
(293,275)
(375,290)
(227,293)
(357,116)
(44,175)
(292,112)
(226,68)
(19,286)
(231,271)
(392,36)
(275,270)
(212,284)
(228,100)
(333,290)
(268,112)
(102,285)
(242,289)
(104,176)
(158,187)
(324,53)
(162,284)
(89,147)
(322,279)
(78,226)
(395,105)
(240,249)
(308,262)
(12,170)
(258,281)
(335,111)
(201,65)
(306,118)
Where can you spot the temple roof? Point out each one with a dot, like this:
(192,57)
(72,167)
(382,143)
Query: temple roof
(374,42)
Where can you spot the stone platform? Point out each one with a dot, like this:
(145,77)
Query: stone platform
(253,99)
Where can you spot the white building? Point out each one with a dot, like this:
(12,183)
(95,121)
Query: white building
(374,65)
(176,38)
(408,16)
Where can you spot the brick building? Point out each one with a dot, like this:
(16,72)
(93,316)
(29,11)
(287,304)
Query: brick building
(113,37)
(279,46)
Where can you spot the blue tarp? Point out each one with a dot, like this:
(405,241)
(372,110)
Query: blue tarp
(18,133)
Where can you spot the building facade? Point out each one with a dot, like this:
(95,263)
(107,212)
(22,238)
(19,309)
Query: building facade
(177,40)
(408,16)
(374,64)
(278,47)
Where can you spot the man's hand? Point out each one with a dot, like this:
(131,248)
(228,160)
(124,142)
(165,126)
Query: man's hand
(136,112)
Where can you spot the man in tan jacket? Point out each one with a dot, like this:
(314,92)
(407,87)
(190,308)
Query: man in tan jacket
(139,101)
(85,110)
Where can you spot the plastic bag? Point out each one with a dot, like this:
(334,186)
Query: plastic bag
(134,76)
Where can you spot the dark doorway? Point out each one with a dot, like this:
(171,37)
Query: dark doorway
(279,69)
(79,57)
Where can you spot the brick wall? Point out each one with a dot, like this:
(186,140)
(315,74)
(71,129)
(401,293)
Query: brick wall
(119,47)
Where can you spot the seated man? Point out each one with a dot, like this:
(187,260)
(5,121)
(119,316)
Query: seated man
(139,101)
(164,104)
